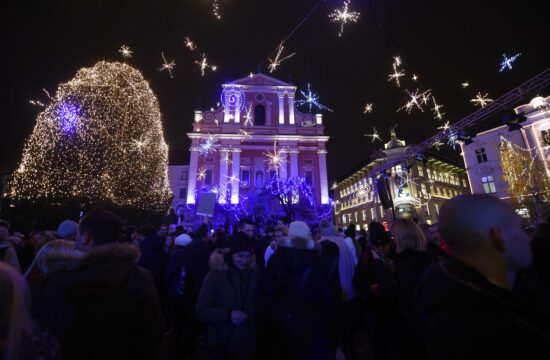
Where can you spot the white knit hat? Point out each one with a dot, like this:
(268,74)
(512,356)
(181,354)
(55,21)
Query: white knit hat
(299,229)
(183,240)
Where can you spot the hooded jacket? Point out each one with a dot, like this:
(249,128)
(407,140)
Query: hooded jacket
(101,305)
(225,289)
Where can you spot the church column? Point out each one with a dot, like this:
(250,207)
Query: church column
(323,181)
(192,179)
(291,109)
(238,111)
(222,184)
(281,96)
(283,166)
(294,163)
(235,183)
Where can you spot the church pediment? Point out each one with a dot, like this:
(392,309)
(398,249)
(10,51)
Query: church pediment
(260,80)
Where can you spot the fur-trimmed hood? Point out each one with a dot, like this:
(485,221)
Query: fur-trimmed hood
(71,261)
(299,243)
(218,260)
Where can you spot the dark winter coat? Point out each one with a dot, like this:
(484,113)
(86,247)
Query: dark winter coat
(100,306)
(464,316)
(225,289)
(183,279)
(153,258)
(295,304)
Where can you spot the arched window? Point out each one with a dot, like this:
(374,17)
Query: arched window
(259,115)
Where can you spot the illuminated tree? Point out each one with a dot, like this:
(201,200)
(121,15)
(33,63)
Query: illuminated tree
(99,140)
(527,178)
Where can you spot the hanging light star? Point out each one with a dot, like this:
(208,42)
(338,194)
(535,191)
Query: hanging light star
(437,110)
(216,9)
(203,64)
(248,118)
(201,174)
(465,84)
(274,158)
(397,61)
(168,66)
(369,107)
(374,135)
(507,62)
(190,44)
(311,99)
(396,75)
(125,51)
(273,64)
(415,78)
(344,16)
(416,100)
(208,145)
(481,100)
(226,160)
(246,134)
(445,127)
(452,139)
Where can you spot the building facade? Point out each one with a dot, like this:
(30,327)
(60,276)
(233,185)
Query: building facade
(482,154)
(257,134)
(417,188)
(178,176)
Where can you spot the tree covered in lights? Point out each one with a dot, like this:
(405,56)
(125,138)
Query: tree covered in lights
(527,179)
(99,140)
(294,195)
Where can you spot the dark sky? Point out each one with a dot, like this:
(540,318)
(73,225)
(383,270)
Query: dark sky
(443,42)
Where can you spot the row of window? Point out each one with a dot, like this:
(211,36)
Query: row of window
(259,177)
(441,176)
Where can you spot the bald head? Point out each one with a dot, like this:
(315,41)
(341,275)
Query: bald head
(466,222)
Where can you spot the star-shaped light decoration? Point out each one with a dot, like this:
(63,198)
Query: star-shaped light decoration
(481,100)
(311,99)
(396,75)
(125,52)
(416,99)
(445,127)
(415,77)
(190,44)
(276,62)
(203,64)
(465,84)
(248,118)
(168,66)
(343,16)
(506,63)
(437,110)
(374,135)
(369,107)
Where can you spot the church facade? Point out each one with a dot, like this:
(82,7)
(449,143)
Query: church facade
(255,136)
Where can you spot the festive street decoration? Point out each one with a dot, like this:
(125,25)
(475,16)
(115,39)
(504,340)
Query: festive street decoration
(417,99)
(311,100)
(437,110)
(369,107)
(374,135)
(396,75)
(168,66)
(203,65)
(507,62)
(125,52)
(279,58)
(100,139)
(481,100)
(527,179)
(343,16)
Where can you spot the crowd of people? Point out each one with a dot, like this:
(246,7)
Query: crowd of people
(474,286)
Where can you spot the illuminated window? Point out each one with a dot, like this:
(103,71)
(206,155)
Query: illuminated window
(423,190)
(372,214)
(488,184)
(420,170)
(545,137)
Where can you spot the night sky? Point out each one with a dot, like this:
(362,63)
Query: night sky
(444,43)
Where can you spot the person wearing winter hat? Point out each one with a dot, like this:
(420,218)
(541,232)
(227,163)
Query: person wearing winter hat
(227,300)
(67,230)
(295,300)
(183,240)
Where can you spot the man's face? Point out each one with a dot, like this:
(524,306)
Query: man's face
(248,229)
(163,230)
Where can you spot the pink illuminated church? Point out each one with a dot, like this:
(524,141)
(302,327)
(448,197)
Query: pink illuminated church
(257,134)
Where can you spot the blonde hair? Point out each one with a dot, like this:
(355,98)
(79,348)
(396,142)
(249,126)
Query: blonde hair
(14,309)
(408,235)
(281,228)
(53,247)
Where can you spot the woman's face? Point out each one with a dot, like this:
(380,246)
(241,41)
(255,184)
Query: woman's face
(242,259)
